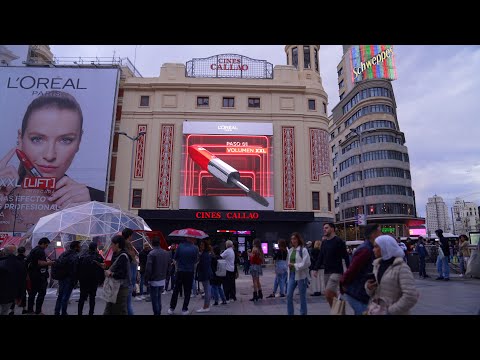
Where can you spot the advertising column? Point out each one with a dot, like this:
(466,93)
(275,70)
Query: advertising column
(55,139)
(227,166)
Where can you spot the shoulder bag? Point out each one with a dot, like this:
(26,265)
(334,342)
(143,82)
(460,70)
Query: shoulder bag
(111,286)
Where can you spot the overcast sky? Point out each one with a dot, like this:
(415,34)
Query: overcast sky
(437,95)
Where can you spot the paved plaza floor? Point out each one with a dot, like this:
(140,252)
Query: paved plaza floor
(458,296)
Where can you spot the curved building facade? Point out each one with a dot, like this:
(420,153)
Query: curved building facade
(371,167)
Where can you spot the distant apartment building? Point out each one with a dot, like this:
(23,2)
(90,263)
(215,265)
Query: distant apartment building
(465,217)
(437,215)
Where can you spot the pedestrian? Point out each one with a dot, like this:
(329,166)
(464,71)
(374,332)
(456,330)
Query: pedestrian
(142,258)
(12,280)
(256,261)
(298,265)
(204,273)
(90,275)
(332,252)
(156,271)
(37,265)
(229,284)
(66,265)
(217,278)
(171,270)
(119,270)
(132,252)
(444,270)
(352,282)
(23,302)
(463,254)
(422,254)
(393,288)
(186,256)
(281,269)
(317,281)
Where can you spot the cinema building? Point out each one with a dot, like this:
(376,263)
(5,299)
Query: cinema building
(371,166)
(231,145)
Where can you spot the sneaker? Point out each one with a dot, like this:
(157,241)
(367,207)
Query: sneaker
(270,296)
(202,310)
(440,278)
(164,292)
(215,303)
(224,303)
(170,312)
(282,295)
(185,312)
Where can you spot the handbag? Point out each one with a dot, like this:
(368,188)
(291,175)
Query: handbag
(111,287)
(338,306)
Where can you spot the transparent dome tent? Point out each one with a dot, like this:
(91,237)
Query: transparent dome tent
(91,221)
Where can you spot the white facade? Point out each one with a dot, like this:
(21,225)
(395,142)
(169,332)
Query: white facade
(466,217)
(437,215)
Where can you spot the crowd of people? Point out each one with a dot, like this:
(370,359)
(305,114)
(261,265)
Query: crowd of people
(374,279)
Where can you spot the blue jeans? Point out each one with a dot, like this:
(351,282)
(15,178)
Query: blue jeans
(216,290)
(133,282)
(280,280)
(156,295)
(65,288)
(421,271)
(206,295)
(462,265)
(302,287)
(443,268)
(357,306)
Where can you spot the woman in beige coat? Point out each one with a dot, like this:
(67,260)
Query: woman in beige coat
(394,286)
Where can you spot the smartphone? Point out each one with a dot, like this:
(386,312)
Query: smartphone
(371,276)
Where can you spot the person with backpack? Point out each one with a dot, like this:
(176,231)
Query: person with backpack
(37,265)
(90,274)
(219,269)
(298,264)
(65,271)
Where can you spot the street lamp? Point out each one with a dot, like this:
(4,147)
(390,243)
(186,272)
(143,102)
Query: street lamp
(134,139)
(360,135)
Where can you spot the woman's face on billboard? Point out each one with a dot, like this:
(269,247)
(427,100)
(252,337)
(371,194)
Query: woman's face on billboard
(51,140)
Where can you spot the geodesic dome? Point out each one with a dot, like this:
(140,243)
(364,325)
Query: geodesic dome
(89,221)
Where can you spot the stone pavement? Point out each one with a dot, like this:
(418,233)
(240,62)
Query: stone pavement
(455,297)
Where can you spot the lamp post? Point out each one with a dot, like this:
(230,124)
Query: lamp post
(134,139)
(359,134)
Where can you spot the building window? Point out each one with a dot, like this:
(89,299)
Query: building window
(203,101)
(315,200)
(329,198)
(288,59)
(340,72)
(113,168)
(111,190)
(315,52)
(306,56)
(137,198)
(254,102)
(144,100)
(228,102)
(340,84)
(311,104)
(325,108)
(295,57)
(115,142)
(342,95)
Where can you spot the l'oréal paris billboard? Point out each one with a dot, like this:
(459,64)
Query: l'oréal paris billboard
(227,165)
(56,126)
(372,62)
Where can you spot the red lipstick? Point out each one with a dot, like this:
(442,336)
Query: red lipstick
(222,171)
(27,164)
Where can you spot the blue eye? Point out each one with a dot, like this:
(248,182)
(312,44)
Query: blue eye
(36,139)
(67,140)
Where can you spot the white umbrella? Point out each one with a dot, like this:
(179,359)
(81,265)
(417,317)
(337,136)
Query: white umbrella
(87,220)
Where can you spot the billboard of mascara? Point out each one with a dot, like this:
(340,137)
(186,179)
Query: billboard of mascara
(56,126)
(227,166)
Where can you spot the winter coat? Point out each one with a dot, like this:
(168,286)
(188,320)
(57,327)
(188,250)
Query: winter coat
(396,288)
(302,262)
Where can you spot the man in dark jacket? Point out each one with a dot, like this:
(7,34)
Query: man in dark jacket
(156,271)
(69,262)
(332,252)
(352,283)
(37,265)
(446,251)
(12,279)
(23,302)
(90,273)
(422,254)
(142,256)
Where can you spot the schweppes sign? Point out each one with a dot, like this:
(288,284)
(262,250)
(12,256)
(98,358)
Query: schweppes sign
(372,62)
